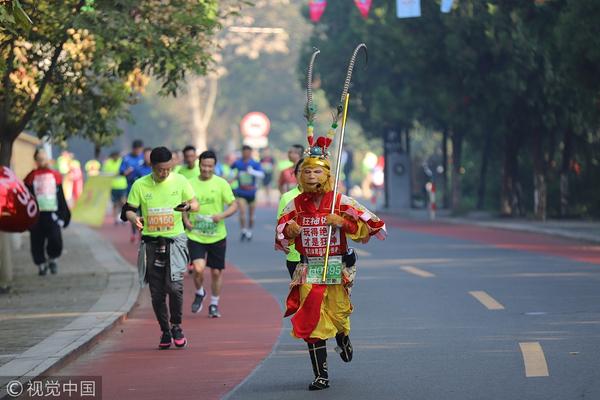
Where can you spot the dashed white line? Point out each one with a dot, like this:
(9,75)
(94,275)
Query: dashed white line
(534,359)
(488,301)
(417,271)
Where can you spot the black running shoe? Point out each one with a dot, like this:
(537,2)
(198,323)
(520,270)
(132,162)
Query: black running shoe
(53,267)
(165,340)
(42,269)
(319,384)
(197,304)
(213,311)
(178,338)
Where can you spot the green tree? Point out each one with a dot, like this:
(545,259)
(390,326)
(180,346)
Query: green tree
(81,63)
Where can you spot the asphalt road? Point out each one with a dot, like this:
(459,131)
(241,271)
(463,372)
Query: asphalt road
(445,313)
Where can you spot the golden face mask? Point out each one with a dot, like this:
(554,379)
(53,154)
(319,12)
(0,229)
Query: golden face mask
(315,175)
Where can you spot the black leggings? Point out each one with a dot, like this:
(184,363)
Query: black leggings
(161,285)
(46,239)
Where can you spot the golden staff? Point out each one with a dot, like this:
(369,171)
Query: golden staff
(336,183)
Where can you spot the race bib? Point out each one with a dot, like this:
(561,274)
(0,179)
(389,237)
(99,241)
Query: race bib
(314,272)
(246,179)
(205,225)
(44,187)
(160,220)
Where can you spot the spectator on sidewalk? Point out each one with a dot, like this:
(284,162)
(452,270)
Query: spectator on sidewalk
(162,197)
(247,171)
(190,168)
(46,235)
(206,231)
(287,179)
(118,191)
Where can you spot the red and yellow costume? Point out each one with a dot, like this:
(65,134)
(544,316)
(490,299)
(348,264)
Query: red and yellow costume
(319,222)
(322,311)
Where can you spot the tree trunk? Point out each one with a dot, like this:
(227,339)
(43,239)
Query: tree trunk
(564,172)
(510,195)
(6,267)
(457,139)
(539,195)
(539,178)
(485,156)
(97,149)
(6,145)
(445,165)
(202,113)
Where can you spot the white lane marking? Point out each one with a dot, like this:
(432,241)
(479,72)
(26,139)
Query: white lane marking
(534,359)
(488,301)
(417,271)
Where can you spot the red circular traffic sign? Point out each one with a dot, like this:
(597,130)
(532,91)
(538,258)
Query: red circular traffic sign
(255,125)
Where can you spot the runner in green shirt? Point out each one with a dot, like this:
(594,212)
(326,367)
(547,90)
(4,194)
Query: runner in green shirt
(162,198)
(293,257)
(190,168)
(206,230)
(118,191)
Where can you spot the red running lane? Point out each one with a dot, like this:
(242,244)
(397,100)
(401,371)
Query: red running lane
(221,352)
(504,238)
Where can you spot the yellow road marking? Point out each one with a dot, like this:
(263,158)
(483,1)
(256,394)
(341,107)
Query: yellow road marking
(534,359)
(362,253)
(488,301)
(417,271)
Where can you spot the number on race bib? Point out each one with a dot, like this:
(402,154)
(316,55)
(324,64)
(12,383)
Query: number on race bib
(205,225)
(315,270)
(160,220)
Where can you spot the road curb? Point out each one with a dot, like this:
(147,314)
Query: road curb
(113,306)
(535,227)
(523,228)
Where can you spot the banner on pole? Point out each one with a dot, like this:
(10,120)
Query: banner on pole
(363,6)
(316,9)
(90,208)
(446,6)
(408,8)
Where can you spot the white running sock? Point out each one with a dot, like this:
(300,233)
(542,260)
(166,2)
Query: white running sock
(200,291)
(214,300)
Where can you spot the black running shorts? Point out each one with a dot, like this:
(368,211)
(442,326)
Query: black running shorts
(213,252)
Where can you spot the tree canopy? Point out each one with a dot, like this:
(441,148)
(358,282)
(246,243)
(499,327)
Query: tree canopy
(514,84)
(78,66)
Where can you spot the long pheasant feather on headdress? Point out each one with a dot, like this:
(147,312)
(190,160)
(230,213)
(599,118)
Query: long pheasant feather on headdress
(340,107)
(310,110)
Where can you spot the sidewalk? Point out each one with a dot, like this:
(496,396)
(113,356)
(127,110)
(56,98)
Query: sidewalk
(46,320)
(581,230)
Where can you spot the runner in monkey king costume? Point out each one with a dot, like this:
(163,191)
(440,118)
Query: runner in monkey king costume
(321,309)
